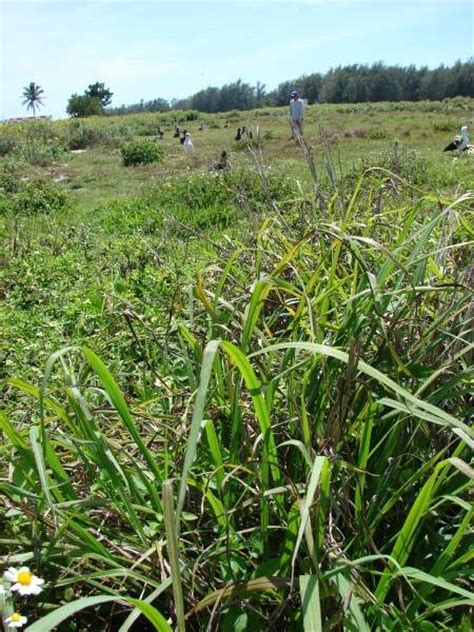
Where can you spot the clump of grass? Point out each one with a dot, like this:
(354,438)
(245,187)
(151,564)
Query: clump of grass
(138,153)
(40,196)
(7,144)
(81,136)
(408,164)
(9,180)
(271,429)
(307,397)
(40,155)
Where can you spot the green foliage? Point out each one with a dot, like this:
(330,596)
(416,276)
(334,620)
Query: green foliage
(33,96)
(355,84)
(99,91)
(141,153)
(284,354)
(7,144)
(39,144)
(358,83)
(39,154)
(9,181)
(82,105)
(91,103)
(80,136)
(156,105)
(191,115)
(408,164)
(40,196)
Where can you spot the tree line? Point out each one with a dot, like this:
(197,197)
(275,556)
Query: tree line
(356,83)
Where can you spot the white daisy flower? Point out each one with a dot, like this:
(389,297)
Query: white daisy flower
(24,581)
(16,620)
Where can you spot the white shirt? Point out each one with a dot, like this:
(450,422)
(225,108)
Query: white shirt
(296,109)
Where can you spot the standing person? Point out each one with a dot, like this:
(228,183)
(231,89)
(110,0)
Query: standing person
(296,115)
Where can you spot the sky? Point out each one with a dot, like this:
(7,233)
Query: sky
(156,48)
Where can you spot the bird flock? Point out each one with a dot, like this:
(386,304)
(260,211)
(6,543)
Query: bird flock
(186,141)
(459,145)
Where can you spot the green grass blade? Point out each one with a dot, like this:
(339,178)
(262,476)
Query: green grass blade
(171,526)
(439,416)
(310,605)
(318,464)
(254,387)
(346,592)
(118,401)
(195,429)
(58,616)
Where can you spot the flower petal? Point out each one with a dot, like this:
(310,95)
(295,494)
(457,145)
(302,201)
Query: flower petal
(10,574)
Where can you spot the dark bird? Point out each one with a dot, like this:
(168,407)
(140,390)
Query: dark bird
(183,137)
(239,134)
(159,133)
(222,164)
(176,132)
(246,132)
(459,143)
(201,127)
(226,124)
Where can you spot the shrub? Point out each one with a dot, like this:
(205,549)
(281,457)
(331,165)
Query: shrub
(79,136)
(145,127)
(41,196)
(82,105)
(378,134)
(408,164)
(9,182)
(40,132)
(141,153)
(7,144)
(445,126)
(40,155)
(191,115)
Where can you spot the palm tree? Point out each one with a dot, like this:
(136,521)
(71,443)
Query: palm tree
(33,97)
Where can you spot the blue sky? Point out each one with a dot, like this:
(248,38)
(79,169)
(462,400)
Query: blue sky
(154,48)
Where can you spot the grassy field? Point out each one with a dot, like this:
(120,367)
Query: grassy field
(239,400)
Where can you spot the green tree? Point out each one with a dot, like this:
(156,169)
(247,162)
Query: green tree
(259,94)
(99,91)
(82,105)
(33,97)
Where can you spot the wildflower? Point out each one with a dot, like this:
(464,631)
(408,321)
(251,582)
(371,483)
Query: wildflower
(16,620)
(24,581)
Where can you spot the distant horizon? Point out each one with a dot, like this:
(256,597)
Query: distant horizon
(136,102)
(149,50)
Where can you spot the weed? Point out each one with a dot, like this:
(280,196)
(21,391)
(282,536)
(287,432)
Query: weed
(141,153)
(40,196)
(7,144)
(241,397)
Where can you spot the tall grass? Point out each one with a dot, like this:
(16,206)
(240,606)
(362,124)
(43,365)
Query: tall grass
(307,437)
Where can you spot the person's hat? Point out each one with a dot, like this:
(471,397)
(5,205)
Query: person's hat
(293,94)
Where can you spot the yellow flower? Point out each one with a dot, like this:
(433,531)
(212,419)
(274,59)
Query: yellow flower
(24,581)
(16,620)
